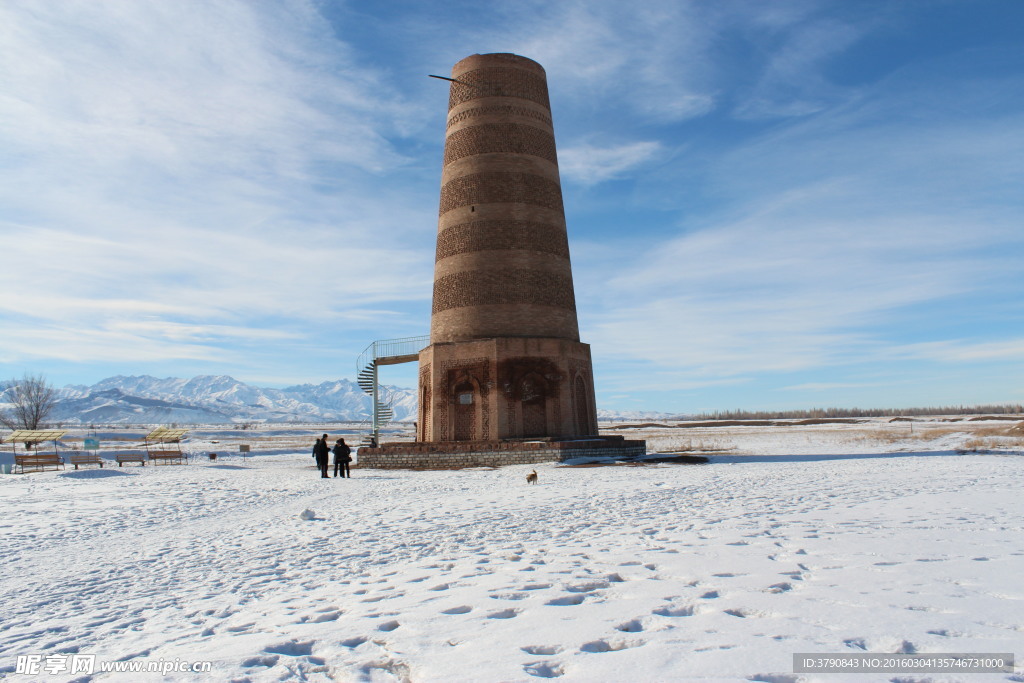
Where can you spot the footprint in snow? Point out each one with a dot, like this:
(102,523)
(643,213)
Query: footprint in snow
(743,613)
(632,626)
(353,642)
(678,610)
(544,669)
(291,648)
(398,670)
(610,645)
(388,626)
(587,587)
(242,628)
(461,609)
(504,614)
(779,587)
(265,660)
(567,600)
(776,678)
(541,649)
(509,596)
(320,618)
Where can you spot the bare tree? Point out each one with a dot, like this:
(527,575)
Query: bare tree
(29,400)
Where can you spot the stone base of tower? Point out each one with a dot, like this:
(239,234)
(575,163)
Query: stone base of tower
(455,455)
(505,388)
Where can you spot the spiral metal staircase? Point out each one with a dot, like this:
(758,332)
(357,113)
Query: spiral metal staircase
(385,352)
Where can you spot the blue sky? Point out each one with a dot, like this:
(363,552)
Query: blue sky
(770,204)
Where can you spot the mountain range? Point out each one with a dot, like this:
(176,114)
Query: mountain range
(220,399)
(214,399)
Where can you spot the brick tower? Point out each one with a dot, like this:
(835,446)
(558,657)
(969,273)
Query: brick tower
(505,360)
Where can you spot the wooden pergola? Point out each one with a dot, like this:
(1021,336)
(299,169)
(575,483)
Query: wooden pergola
(31,437)
(35,459)
(157,451)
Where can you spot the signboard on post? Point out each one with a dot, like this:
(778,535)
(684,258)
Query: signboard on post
(90,444)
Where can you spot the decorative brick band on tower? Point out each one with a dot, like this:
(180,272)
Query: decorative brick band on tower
(504,360)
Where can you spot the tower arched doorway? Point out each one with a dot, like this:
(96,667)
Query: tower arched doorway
(466,398)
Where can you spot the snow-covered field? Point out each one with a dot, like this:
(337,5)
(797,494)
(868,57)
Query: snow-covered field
(831,538)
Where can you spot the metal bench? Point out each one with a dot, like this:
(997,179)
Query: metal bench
(40,462)
(86,459)
(169,457)
(122,458)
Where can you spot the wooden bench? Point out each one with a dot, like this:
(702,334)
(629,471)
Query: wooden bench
(38,461)
(167,456)
(122,458)
(86,459)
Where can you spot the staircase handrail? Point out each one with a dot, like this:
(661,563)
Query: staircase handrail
(388,348)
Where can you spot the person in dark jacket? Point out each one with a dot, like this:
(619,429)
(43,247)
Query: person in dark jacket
(323,455)
(342,457)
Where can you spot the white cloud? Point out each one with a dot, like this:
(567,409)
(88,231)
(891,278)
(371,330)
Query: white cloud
(222,87)
(650,58)
(178,175)
(776,294)
(962,351)
(839,233)
(831,386)
(589,164)
(790,80)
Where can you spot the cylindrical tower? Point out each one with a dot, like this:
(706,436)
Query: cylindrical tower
(504,360)
(502,267)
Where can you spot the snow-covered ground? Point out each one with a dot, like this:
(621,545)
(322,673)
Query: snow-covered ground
(830,538)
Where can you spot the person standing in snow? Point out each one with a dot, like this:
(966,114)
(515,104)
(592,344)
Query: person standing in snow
(342,457)
(323,455)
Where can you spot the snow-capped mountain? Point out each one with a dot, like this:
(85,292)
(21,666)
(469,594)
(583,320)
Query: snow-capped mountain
(219,399)
(215,399)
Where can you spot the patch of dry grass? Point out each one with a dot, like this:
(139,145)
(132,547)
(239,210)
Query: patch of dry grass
(901,434)
(690,446)
(930,433)
(991,444)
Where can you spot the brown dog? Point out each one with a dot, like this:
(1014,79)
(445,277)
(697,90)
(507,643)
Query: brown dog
(531,478)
